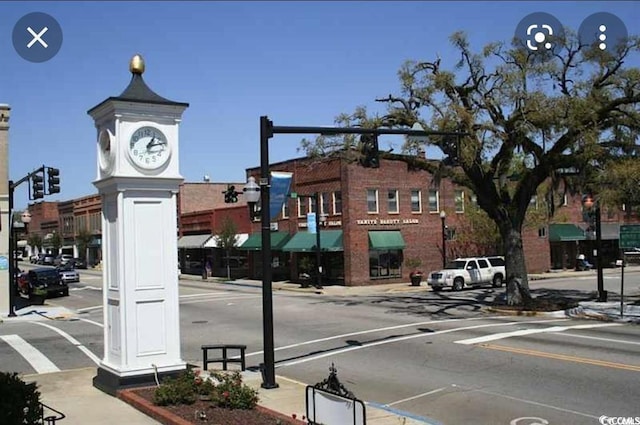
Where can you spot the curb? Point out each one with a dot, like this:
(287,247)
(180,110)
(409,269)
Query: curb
(528,313)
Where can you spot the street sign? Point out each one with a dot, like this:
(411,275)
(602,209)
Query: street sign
(630,236)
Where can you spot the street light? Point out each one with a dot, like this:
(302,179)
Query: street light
(443,217)
(589,203)
(252,195)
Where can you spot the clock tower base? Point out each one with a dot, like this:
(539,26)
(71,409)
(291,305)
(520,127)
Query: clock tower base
(111,382)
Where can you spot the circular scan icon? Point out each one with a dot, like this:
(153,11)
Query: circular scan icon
(540,33)
(603,31)
(37,37)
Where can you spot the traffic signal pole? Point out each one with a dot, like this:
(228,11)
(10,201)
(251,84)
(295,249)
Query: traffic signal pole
(37,178)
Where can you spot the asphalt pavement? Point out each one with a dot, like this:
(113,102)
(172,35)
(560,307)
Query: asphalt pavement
(72,393)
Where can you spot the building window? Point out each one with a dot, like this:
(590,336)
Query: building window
(285,208)
(372,201)
(302,207)
(474,199)
(542,232)
(81,223)
(392,201)
(312,203)
(565,200)
(385,264)
(95,223)
(325,199)
(534,201)
(416,201)
(337,202)
(434,201)
(459,199)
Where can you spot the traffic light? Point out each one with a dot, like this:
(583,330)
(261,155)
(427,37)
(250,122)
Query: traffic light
(230,195)
(369,149)
(53,180)
(37,185)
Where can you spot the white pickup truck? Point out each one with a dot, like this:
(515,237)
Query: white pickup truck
(473,271)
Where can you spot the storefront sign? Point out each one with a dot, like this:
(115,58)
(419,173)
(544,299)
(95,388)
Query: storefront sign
(330,223)
(386,222)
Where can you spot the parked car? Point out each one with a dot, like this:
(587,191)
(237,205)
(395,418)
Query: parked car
(46,259)
(35,258)
(473,271)
(46,279)
(62,259)
(78,263)
(68,273)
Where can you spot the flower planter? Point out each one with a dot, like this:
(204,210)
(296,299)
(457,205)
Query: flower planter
(416,279)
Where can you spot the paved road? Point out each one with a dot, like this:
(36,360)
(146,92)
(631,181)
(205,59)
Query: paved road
(434,355)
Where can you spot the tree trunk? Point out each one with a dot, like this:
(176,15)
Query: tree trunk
(517,281)
(228,267)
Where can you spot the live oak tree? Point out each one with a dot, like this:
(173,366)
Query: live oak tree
(543,118)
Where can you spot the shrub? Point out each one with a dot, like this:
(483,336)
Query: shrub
(231,393)
(19,401)
(178,390)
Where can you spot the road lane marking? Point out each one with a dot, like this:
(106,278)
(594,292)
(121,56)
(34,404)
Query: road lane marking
(535,403)
(405,338)
(437,390)
(72,340)
(92,322)
(617,341)
(31,354)
(368,331)
(523,332)
(584,360)
(206,300)
(88,309)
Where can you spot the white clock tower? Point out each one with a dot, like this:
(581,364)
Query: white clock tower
(138,179)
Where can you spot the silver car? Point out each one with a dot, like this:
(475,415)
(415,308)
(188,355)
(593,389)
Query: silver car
(69,275)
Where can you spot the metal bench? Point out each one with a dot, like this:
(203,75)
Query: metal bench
(225,358)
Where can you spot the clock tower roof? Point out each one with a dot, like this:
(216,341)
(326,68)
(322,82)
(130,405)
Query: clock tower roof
(138,91)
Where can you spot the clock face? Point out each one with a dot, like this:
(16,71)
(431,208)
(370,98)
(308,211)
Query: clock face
(148,148)
(105,145)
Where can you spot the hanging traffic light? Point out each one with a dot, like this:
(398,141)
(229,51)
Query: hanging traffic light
(230,195)
(369,149)
(53,180)
(37,185)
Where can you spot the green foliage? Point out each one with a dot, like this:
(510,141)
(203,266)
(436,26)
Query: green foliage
(413,263)
(34,240)
(477,234)
(227,236)
(19,401)
(231,393)
(55,241)
(225,390)
(178,390)
(83,239)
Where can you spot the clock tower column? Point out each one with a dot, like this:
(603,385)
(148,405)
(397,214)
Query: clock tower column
(138,179)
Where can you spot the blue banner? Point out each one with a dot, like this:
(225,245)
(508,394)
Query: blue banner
(279,192)
(311,223)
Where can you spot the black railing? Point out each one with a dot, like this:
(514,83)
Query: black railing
(50,419)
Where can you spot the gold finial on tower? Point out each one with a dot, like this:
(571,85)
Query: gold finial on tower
(136,66)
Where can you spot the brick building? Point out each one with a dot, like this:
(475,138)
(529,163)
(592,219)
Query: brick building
(377,218)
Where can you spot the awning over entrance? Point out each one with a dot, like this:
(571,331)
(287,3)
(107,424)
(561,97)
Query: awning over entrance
(330,240)
(213,242)
(565,232)
(254,242)
(193,241)
(610,232)
(387,239)
(22,243)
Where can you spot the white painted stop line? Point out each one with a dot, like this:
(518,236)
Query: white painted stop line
(523,332)
(36,359)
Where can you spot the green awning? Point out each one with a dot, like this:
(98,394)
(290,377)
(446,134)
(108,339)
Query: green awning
(254,243)
(330,240)
(387,239)
(565,232)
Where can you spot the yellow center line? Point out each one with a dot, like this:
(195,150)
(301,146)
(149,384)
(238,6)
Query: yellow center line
(574,359)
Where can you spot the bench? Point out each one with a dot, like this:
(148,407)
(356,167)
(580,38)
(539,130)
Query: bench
(225,358)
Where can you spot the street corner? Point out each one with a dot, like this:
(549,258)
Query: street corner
(504,311)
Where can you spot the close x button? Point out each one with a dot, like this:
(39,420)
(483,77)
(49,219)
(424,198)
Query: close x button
(37,37)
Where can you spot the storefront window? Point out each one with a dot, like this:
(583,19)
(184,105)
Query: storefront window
(385,264)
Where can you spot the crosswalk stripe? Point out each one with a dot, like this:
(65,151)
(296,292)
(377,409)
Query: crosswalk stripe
(524,332)
(31,354)
(72,340)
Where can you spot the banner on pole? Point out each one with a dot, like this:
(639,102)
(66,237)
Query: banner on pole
(311,223)
(280,185)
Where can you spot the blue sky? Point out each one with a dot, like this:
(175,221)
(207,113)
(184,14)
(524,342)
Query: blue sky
(300,63)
